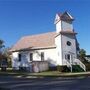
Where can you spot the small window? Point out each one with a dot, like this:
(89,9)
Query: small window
(19,56)
(67,56)
(42,56)
(68,43)
(31,56)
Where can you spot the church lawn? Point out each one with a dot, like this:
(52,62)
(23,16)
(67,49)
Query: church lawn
(10,72)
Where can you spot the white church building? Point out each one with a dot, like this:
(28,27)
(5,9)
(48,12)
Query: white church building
(56,48)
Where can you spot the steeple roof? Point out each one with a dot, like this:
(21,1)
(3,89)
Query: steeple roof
(63,16)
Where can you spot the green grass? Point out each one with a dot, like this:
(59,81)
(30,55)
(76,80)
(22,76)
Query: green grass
(57,73)
(10,72)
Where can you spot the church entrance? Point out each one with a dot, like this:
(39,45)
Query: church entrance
(69,57)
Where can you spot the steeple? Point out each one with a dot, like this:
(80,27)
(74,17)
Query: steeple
(63,22)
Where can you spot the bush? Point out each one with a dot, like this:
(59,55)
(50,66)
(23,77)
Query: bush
(53,68)
(59,68)
(9,63)
(87,66)
(63,68)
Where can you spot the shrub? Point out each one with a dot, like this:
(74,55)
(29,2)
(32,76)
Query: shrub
(87,66)
(53,68)
(63,68)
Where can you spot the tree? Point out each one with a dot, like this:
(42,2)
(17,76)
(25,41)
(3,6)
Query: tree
(1,48)
(1,44)
(4,53)
(82,54)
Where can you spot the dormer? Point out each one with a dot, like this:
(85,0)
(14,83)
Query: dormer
(64,22)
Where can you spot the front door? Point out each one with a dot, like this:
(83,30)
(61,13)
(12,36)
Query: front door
(69,57)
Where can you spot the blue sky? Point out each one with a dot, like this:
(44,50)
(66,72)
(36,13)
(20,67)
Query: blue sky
(26,17)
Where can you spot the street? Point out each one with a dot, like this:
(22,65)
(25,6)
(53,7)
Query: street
(49,83)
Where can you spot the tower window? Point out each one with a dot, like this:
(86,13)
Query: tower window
(68,43)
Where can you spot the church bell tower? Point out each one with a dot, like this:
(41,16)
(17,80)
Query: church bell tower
(65,39)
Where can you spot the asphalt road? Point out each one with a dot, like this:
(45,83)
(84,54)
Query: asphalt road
(14,83)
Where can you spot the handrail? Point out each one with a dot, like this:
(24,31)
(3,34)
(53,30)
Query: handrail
(78,62)
(88,59)
(69,65)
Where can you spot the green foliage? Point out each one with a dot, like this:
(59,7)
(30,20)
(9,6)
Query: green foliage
(52,68)
(87,66)
(4,53)
(1,44)
(77,68)
(82,54)
(63,68)
(59,68)
(1,48)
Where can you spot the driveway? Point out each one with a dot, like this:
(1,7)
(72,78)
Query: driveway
(17,83)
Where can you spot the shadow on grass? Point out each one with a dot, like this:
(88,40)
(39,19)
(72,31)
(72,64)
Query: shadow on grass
(23,74)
